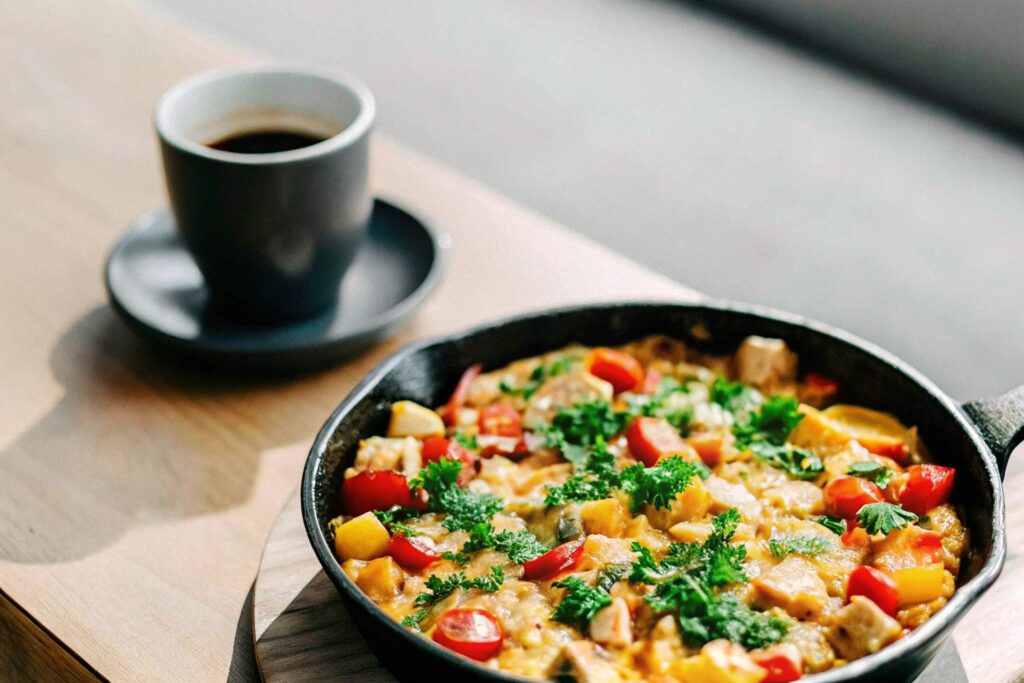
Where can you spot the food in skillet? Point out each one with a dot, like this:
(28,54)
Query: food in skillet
(651,513)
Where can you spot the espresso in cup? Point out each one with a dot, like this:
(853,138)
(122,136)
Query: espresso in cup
(266,173)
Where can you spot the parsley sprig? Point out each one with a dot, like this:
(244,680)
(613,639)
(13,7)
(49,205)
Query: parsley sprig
(881,518)
(689,582)
(872,471)
(833,524)
(582,601)
(438,589)
(660,404)
(659,485)
(463,508)
(798,544)
(764,433)
(734,396)
(520,546)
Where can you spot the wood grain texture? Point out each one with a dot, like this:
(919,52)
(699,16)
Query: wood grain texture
(136,492)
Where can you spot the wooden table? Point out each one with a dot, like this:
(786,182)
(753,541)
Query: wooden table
(136,492)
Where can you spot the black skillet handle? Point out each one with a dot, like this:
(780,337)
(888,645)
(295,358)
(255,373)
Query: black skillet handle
(1000,421)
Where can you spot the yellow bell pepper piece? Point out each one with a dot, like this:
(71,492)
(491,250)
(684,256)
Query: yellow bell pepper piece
(381,579)
(919,584)
(412,419)
(607,517)
(361,538)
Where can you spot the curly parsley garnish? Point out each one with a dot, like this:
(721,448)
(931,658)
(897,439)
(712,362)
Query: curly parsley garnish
(872,471)
(463,508)
(798,463)
(734,396)
(659,485)
(438,589)
(596,477)
(764,431)
(689,579)
(466,440)
(520,546)
(393,516)
(660,404)
(582,601)
(798,544)
(881,518)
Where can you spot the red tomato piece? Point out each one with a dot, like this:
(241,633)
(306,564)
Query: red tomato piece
(437,447)
(822,385)
(473,633)
(458,398)
(554,562)
(377,491)
(652,380)
(708,447)
(617,368)
(782,662)
(507,446)
(876,586)
(413,553)
(650,438)
(890,448)
(500,420)
(845,496)
(927,487)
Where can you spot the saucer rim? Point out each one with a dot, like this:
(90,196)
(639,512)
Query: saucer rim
(312,350)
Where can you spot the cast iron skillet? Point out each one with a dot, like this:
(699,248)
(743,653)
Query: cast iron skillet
(976,438)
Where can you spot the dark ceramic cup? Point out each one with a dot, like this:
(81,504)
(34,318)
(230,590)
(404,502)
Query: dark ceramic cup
(272,233)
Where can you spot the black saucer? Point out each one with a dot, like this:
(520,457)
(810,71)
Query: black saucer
(154,284)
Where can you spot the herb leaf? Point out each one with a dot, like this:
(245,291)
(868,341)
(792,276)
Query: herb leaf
(657,486)
(798,544)
(686,580)
(520,546)
(580,604)
(539,375)
(438,589)
(884,517)
(833,524)
(463,508)
(733,396)
(584,422)
(770,424)
(872,471)
(798,463)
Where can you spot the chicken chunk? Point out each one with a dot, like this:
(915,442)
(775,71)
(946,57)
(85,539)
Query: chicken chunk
(862,628)
(725,495)
(801,497)
(563,391)
(793,585)
(765,363)
(811,640)
(612,626)
(589,664)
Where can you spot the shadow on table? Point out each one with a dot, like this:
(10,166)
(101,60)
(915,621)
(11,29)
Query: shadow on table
(129,443)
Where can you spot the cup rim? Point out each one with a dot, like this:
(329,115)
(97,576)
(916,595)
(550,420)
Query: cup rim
(351,133)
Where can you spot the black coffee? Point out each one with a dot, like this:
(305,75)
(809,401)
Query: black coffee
(265,142)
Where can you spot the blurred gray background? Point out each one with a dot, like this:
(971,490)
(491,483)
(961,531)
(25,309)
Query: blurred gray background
(864,181)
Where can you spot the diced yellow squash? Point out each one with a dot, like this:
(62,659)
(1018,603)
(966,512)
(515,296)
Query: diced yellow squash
(361,538)
(920,584)
(720,662)
(381,579)
(690,504)
(412,419)
(607,517)
(817,430)
(690,532)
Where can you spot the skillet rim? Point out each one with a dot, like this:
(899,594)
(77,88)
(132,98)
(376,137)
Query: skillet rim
(943,620)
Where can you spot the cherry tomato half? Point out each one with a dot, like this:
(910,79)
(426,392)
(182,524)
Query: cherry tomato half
(554,562)
(650,438)
(782,662)
(500,420)
(413,553)
(876,586)
(845,496)
(377,491)
(437,447)
(458,398)
(619,369)
(927,487)
(473,633)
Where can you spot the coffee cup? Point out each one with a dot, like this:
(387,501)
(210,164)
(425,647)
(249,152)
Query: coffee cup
(266,171)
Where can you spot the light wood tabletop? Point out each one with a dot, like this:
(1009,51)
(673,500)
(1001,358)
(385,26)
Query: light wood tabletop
(136,492)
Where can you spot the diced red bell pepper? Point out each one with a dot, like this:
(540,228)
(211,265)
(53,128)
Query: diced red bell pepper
(617,368)
(500,420)
(473,633)
(927,487)
(437,447)
(650,438)
(554,562)
(876,586)
(413,553)
(845,496)
(377,490)
(782,662)
(461,393)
